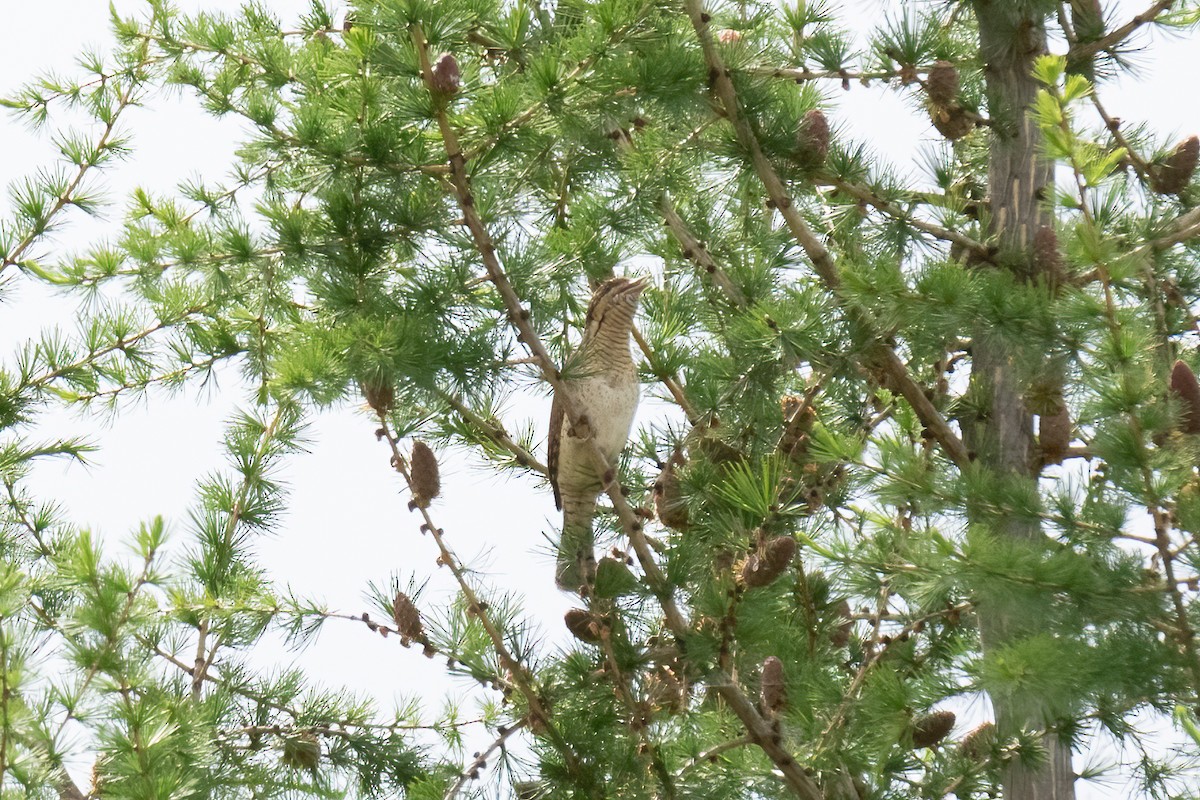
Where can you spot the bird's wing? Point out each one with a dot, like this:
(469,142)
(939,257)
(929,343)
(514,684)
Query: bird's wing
(553,444)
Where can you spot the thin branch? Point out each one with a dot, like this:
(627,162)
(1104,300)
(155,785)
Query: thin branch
(710,755)
(66,197)
(471,771)
(670,381)
(494,431)
(695,251)
(522,679)
(1085,50)
(884,359)
(890,209)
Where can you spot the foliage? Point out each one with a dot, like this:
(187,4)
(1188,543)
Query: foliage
(395,233)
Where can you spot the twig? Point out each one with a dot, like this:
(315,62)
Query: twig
(477,608)
(1084,51)
(865,195)
(667,380)
(494,431)
(710,755)
(884,358)
(471,771)
(695,251)
(65,198)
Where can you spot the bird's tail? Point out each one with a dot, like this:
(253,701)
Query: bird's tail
(577,548)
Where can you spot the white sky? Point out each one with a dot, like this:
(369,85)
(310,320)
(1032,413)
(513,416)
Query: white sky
(347,524)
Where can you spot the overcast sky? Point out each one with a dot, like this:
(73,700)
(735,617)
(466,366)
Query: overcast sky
(347,524)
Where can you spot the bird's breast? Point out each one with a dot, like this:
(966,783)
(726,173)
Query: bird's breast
(609,400)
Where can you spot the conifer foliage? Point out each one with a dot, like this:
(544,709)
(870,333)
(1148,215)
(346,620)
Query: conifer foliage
(926,439)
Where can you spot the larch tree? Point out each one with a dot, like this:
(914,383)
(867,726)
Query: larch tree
(925,436)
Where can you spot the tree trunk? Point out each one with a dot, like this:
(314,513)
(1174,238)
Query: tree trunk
(1011,36)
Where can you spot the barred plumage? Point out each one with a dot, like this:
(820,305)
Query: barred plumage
(604,387)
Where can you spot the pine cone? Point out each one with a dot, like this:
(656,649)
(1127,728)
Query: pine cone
(977,744)
(1187,391)
(812,140)
(798,418)
(840,636)
(407,618)
(932,728)
(380,396)
(942,83)
(951,121)
(771,685)
(583,625)
(445,78)
(765,569)
(1047,260)
(664,690)
(1054,434)
(669,503)
(1172,174)
(426,482)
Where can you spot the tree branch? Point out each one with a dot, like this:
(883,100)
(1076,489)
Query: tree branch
(885,360)
(1085,50)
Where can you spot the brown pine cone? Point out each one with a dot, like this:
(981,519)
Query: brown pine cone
(445,78)
(583,625)
(812,139)
(407,618)
(426,480)
(932,728)
(772,688)
(1187,391)
(942,83)
(765,568)
(1174,173)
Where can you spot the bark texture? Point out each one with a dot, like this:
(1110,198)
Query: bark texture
(1011,36)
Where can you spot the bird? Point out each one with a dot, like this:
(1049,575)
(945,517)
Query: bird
(603,385)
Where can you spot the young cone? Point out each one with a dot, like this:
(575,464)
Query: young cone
(812,139)
(840,636)
(583,625)
(942,83)
(951,121)
(798,418)
(765,569)
(426,481)
(771,686)
(1047,260)
(978,743)
(669,503)
(1054,434)
(407,618)
(302,751)
(445,78)
(1187,391)
(1174,173)
(380,396)
(932,728)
